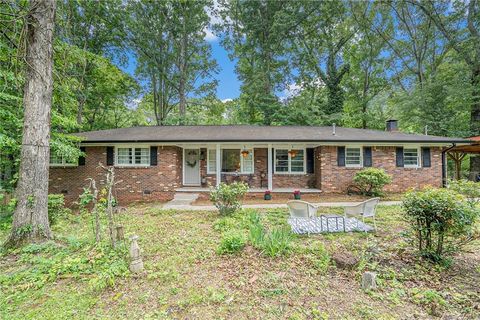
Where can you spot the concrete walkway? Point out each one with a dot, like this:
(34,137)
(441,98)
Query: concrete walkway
(189,207)
(181,200)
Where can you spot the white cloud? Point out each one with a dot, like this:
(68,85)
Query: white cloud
(209,35)
(227,100)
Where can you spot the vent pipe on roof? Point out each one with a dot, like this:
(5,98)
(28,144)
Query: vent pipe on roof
(426,130)
(392,125)
(333,129)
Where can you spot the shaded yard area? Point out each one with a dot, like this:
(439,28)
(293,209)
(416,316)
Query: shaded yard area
(186,278)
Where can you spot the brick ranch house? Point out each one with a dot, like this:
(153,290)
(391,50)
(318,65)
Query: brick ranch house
(154,162)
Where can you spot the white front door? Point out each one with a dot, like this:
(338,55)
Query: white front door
(191,167)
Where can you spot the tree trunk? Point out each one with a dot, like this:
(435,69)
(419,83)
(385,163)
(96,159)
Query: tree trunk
(30,219)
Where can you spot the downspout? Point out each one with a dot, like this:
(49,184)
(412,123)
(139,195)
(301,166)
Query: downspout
(444,164)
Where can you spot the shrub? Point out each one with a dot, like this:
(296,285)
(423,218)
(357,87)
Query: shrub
(277,242)
(371,181)
(56,208)
(227,197)
(441,219)
(470,189)
(232,242)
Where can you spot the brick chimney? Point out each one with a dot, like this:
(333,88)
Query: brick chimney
(392,125)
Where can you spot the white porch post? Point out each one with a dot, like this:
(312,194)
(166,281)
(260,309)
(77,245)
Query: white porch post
(270,167)
(219,165)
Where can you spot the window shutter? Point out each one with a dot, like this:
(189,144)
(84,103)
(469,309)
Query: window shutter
(426,160)
(310,160)
(153,156)
(367,156)
(81,159)
(341,156)
(109,156)
(399,160)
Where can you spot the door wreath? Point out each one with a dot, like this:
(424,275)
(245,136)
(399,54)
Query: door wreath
(191,159)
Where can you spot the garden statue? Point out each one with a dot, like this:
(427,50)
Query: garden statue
(136,265)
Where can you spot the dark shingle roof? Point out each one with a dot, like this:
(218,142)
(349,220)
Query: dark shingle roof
(252,133)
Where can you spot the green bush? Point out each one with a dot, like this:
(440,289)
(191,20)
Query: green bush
(470,189)
(227,197)
(371,181)
(56,208)
(441,219)
(232,242)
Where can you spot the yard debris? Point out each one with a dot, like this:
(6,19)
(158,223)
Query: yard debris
(369,281)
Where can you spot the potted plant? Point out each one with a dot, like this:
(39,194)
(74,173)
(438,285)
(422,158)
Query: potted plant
(296,194)
(267,195)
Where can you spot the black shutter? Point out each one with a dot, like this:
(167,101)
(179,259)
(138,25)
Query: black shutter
(109,156)
(341,156)
(153,156)
(81,159)
(426,161)
(310,160)
(367,156)
(399,157)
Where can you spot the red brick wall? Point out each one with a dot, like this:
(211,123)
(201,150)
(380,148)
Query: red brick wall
(154,183)
(336,179)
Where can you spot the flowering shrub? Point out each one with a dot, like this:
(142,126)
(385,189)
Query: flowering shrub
(227,197)
(441,221)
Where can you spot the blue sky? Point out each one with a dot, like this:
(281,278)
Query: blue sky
(228,83)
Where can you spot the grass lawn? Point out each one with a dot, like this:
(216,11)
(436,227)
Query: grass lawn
(185,278)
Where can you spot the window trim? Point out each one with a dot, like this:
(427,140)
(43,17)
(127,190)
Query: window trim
(134,165)
(290,162)
(251,149)
(419,160)
(62,164)
(360,165)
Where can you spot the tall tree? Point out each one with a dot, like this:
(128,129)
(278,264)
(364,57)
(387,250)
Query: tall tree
(367,77)
(30,219)
(93,27)
(321,41)
(173,57)
(459,23)
(255,34)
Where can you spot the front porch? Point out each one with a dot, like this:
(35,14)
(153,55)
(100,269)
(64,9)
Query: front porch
(278,167)
(254,190)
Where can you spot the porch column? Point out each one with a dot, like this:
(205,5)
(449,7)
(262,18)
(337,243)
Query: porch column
(219,165)
(270,167)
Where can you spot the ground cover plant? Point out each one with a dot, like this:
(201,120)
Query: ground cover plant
(186,277)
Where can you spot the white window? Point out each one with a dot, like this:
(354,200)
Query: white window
(411,158)
(133,156)
(211,161)
(353,157)
(57,160)
(233,161)
(290,161)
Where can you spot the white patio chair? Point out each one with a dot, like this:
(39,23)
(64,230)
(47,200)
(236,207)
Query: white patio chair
(301,209)
(365,209)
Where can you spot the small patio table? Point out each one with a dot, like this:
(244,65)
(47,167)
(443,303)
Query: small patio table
(334,217)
